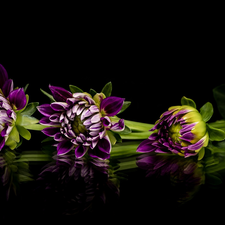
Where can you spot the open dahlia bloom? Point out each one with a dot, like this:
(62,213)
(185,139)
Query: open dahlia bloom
(82,122)
(180,130)
(15,114)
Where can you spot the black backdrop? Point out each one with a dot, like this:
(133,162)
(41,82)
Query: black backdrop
(152,63)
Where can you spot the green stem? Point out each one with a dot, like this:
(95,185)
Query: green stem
(136,136)
(138,126)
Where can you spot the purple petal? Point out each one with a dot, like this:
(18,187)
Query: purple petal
(80,151)
(197,145)
(111,105)
(64,146)
(2,140)
(104,145)
(106,121)
(187,136)
(59,106)
(118,126)
(50,131)
(7,87)
(46,121)
(146,146)
(3,75)
(45,110)
(18,98)
(60,94)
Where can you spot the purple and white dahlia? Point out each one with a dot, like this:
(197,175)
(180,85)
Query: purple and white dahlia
(180,130)
(82,122)
(10,102)
(15,113)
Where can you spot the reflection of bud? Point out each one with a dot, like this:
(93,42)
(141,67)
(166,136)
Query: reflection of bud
(70,186)
(186,175)
(180,130)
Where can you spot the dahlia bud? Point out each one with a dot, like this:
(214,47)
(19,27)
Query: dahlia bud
(182,130)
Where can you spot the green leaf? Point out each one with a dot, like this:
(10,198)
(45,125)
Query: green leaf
(48,95)
(220,124)
(201,153)
(219,95)
(25,88)
(37,127)
(107,89)
(206,111)
(111,137)
(126,104)
(92,92)
(75,89)
(188,101)
(24,132)
(30,109)
(215,134)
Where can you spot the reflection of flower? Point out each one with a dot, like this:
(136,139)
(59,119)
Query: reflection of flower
(12,173)
(186,175)
(82,122)
(71,185)
(180,130)
(15,117)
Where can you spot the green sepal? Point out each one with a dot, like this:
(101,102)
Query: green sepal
(206,111)
(92,92)
(25,120)
(24,132)
(215,134)
(37,127)
(14,134)
(107,89)
(30,109)
(75,89)
(201,153)
(188,101)
(219,95)
(48,95)
(126,104)
(111,137)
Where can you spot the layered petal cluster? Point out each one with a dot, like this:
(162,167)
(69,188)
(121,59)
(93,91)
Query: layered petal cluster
(81,122)
(10,101)
(180,130)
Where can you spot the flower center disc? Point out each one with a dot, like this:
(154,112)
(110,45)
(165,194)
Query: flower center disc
(78,126)
(174,132)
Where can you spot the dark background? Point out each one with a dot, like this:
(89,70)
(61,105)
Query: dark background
(151,58)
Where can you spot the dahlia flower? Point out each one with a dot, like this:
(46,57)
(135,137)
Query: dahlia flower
(83,122)
(15,113)
(182,130)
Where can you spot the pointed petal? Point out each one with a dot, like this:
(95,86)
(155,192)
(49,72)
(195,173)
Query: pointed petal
(3,75)
(45,110)
(64,146)
(18,98)
(118,126)
(106,121)
(50,131)
(96,153)
(104,145)
(2,141)
(146,146)
(7,87)
(80,151)
(111,105)
(59,106)
(60,94)
(46,121)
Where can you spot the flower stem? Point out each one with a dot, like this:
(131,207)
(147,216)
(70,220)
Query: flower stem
(138,126)
(136,135)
